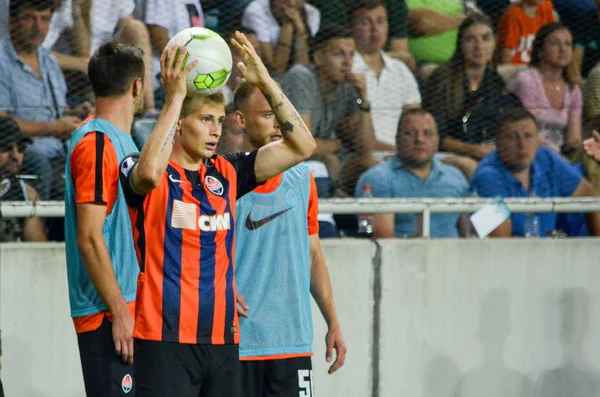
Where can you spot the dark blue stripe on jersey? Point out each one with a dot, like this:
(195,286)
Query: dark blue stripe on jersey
(172,267)
(206,286)
(229,295)
(141,241)
(98,177)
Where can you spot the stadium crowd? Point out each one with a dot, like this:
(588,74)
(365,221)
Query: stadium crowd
(416,98)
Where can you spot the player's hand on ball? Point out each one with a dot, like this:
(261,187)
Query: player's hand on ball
(335,340)
(253,69)
(173,70)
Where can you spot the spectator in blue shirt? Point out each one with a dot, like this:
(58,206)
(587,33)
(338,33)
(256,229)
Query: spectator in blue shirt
(32,87)
(414,173)
(519,167)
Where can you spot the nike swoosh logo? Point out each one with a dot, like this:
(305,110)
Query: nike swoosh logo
(253,225)
(176,180)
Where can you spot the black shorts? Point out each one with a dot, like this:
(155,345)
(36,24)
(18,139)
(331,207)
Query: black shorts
(165,369)
(104,373)
(290,377)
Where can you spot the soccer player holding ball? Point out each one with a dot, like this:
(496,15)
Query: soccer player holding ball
(182,201)
(279,264)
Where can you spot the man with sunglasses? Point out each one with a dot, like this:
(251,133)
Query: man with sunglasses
(13,187)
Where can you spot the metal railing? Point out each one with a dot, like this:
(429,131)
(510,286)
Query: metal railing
(423,208)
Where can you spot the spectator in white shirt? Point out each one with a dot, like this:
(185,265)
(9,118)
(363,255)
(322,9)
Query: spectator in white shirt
(391,87)
(283,28)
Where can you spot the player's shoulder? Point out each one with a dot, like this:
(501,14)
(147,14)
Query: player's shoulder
(92,145)
(94,138)
(299,172)
(127,164)
(230,164)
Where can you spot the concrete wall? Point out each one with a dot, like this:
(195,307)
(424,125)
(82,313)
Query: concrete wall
(421,319)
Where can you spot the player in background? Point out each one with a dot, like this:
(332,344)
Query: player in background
(101,263)
(279,265)
(182,203)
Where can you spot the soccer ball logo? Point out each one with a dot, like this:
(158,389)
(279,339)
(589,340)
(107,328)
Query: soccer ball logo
(214,59)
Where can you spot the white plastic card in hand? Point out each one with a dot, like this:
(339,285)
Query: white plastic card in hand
(488,218)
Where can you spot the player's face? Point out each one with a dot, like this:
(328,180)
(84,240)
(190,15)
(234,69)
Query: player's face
(371,29)
(200,131)
(30,27)
(558,49)
(259,121)
(11,158)
(232,139)
(417,140)
(517,144)
(335,59)
(478,44)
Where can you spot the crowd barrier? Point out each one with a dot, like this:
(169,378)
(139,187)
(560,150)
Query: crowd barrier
(421,318)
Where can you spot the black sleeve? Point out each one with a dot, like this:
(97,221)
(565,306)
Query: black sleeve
(244,168)
(132,198)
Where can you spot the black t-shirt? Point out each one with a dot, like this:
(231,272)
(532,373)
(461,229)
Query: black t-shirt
(491,91)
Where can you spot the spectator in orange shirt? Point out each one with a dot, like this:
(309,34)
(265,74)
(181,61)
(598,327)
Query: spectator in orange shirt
(517,29)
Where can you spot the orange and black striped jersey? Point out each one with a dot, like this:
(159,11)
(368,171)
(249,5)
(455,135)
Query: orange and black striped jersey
(95,174)
(184,234)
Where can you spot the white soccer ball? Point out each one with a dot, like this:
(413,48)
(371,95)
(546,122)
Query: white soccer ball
(214,59)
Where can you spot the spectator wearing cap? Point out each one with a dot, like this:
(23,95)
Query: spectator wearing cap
(414,172)
(391,87)
(519,167)
(14,188)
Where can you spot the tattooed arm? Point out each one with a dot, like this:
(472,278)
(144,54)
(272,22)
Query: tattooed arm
(154,157)
(297,144)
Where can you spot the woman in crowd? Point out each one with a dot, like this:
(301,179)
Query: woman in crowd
(461,85)
(549,92)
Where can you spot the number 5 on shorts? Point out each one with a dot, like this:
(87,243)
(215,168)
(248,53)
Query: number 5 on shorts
(305,383)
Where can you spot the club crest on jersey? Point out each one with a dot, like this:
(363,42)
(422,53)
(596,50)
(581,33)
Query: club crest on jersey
(214,185)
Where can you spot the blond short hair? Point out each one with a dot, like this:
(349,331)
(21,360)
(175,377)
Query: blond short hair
(192,103)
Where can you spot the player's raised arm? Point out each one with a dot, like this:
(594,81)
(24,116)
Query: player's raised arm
(155,155)
(298,143)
